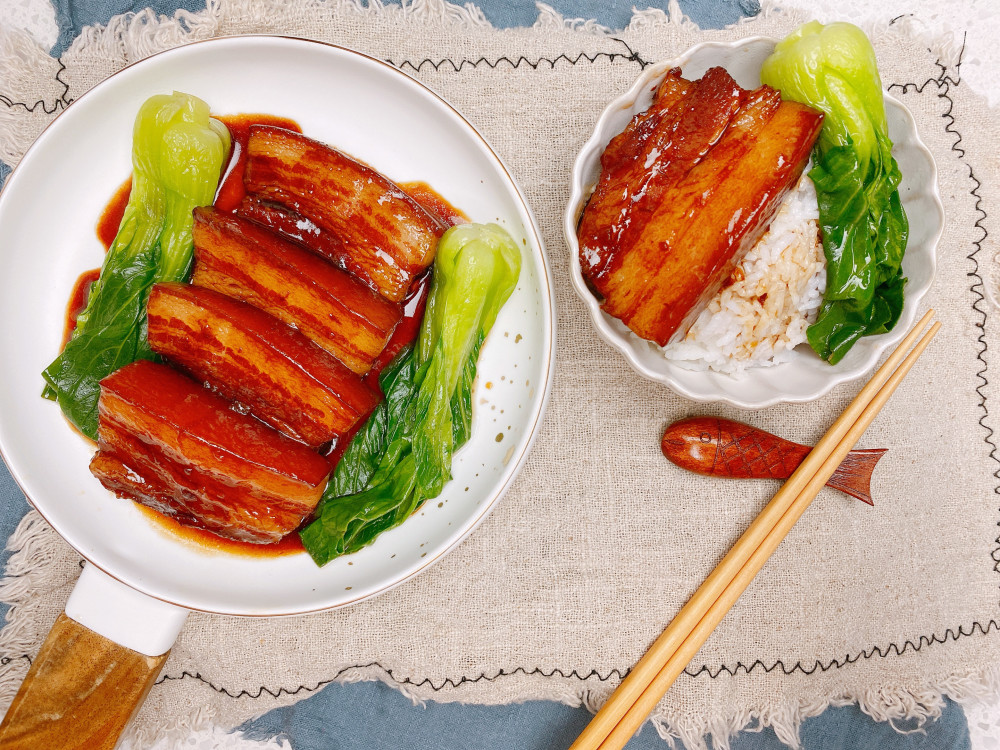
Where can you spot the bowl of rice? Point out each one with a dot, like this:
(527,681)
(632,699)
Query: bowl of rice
(748,346)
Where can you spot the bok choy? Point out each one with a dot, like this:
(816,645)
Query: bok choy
(178,152)
(403,454)
(833,69)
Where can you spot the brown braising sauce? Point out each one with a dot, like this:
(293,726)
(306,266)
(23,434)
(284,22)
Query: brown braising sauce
(107,228)
(78,301)
(429,198)
(111,217)
(228,197)
(231,191)
(290,545)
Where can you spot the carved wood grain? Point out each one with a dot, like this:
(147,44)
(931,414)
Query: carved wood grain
(81,691)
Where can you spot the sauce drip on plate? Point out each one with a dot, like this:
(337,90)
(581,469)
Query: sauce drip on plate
(290,545)
(107,228)
(111,217)
(431,200)
(78,301)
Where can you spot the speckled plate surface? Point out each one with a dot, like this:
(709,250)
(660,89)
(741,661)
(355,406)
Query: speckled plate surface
(805,377)
(74,168)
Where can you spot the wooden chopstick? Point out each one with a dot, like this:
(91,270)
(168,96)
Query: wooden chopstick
(647,701)
(691,615)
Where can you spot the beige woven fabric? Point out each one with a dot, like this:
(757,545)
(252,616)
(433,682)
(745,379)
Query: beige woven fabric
(601,541)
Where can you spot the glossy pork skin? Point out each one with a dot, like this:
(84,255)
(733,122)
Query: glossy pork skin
(646,160)
(172,444)
(388,238)
(294,226)
(695,242)
(666,259)
(251,357)
(242,259)
(627,146)
(691,198)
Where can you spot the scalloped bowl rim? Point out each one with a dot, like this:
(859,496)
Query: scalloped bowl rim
(580,192)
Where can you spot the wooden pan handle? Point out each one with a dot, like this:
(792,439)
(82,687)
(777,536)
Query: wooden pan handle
(80,692)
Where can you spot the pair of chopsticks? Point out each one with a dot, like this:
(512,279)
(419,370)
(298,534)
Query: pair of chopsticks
(653,675)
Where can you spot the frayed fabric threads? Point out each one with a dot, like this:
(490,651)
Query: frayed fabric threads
(40,562)
(207,738)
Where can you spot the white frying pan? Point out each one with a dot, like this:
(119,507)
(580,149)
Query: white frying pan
(140,581)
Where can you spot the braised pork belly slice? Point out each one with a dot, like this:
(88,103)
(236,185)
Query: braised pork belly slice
(388,238)
(634,142)
(193,499)
(711,219)
(249,356)
(646,160)
(628,284)
(149,491)
(167,442)
(244,260)
(685,191)
(295,227)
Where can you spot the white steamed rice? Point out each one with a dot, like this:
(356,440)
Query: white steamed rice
(774,295)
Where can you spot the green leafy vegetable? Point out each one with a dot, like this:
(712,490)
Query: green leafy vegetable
(178,152)
(402,456)
(833,69)
(365,451)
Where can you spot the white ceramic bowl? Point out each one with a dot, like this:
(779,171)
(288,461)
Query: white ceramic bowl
(805,377)
(48,211)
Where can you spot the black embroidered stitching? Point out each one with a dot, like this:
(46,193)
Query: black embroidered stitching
(446,682)
(944,82)
(629,56)
(456,67)
(62,102)
(893,648)
(819,666)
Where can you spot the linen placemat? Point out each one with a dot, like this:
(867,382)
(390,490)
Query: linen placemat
(601,541)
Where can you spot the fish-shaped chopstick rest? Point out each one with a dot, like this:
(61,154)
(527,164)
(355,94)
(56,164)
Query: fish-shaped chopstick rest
(724,448)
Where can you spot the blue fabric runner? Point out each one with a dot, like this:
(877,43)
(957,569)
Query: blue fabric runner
(73,15)
(372,716)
